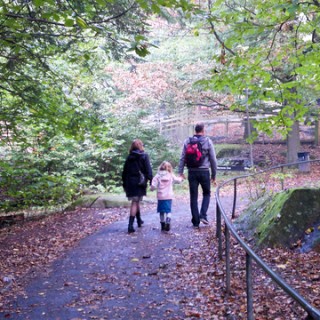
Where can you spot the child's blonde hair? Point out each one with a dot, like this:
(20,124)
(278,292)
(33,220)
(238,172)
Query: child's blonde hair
(165,165)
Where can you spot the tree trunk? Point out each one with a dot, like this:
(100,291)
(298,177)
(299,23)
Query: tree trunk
(248,131)
(293,143)
(316,132)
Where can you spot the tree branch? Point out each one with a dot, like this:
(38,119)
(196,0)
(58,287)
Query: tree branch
(93,22)
(274,39)
(45,21)
(220,40)
(316,2)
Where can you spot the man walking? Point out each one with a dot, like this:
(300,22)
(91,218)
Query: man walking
(199,156)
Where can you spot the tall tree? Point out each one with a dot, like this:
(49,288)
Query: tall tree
(36,33)
(272,49)
(50,52)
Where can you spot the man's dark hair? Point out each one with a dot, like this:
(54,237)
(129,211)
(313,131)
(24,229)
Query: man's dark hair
(199,127)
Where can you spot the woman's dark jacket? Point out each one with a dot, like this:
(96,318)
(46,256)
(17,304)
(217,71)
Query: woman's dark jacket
(130,175)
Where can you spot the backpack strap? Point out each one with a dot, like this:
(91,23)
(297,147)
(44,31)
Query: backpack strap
(203,141)
(138,162)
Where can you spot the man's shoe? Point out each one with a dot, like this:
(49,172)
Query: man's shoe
(204,221)
(167,227)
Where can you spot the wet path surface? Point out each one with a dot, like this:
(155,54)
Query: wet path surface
(114,275)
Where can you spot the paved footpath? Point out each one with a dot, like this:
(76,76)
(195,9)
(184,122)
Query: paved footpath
(113,275)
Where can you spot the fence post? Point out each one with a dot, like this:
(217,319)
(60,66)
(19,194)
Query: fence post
(249,287)
(282,180)
(227,249)
(218,231)
(234,198)
(313,313)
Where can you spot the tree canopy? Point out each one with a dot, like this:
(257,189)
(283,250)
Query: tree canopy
(38,37)
(270,48)
(57,135)
(68,111)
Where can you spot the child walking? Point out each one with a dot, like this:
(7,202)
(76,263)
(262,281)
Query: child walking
(163,182)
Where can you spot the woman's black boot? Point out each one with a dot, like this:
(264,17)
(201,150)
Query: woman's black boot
(140,222)
(130,226)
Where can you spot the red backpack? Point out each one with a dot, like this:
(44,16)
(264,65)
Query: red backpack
(194,154)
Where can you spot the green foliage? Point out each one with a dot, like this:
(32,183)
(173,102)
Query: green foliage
(35,34)
(282,177)
(23,185)
(56,100)
(48,173)
(270,48)
(52,169)
(256,186)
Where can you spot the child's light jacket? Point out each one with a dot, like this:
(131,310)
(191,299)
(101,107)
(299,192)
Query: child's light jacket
(163,182)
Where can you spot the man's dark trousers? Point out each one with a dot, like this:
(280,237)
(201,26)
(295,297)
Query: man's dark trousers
(196,178)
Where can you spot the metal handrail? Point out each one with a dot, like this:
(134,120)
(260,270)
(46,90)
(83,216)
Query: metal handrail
(312,312)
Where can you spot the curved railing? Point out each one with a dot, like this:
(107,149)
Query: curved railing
(254,185)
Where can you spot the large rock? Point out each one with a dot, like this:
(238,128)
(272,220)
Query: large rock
(101,201)
(288,219)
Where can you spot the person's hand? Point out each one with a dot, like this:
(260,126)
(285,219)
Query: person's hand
(213,181)
(182,176)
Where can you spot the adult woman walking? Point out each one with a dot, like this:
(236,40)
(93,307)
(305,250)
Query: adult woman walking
(136,162)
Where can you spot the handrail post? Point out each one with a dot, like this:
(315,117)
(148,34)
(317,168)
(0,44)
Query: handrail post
(234,198)
(313,312)
(227,250)
(218,231)
(249,287)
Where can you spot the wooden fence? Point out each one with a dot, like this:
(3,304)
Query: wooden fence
(220,127)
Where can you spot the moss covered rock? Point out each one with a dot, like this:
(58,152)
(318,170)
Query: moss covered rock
(284,219)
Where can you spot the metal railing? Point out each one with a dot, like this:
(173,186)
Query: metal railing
(275,178)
